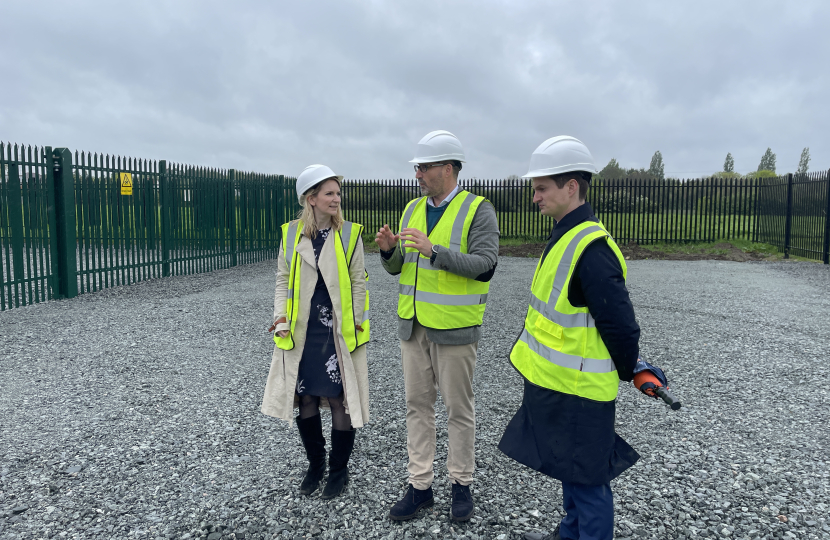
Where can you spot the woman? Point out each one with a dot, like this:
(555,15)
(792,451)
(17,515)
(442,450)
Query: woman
(321,322)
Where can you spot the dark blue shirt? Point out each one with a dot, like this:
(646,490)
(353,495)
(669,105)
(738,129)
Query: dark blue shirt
(433,215)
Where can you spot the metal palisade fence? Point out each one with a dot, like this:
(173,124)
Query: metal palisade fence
(791,213)
(28,236)
(633,210)
(74,223)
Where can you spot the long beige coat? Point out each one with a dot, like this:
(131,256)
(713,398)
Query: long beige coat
(280,396)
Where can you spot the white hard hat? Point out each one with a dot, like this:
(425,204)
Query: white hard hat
(438,146)
(559,155)
(311,176)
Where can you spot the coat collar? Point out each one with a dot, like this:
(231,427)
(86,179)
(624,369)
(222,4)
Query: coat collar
(581,213)
(306,250)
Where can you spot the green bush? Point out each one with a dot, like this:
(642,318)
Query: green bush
(762,174)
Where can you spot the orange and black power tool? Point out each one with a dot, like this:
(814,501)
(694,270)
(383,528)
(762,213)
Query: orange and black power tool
(651,381)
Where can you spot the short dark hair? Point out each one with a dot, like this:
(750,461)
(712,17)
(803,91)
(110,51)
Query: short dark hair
(456,167)
(583,179)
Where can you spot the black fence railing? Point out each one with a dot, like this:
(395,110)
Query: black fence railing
(793,214)
(789,212)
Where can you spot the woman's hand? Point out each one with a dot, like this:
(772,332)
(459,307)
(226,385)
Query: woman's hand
(278,321)
(385,239)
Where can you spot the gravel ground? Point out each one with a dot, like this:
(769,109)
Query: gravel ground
(134,413)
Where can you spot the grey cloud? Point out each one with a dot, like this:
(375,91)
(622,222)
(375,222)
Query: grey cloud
(274,87)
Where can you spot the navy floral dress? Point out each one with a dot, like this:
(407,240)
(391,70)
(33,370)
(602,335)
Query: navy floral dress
(319,372)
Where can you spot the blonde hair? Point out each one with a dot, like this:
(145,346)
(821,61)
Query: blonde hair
(307,213)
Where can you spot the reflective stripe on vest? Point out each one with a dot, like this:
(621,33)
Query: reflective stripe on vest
(353,315)
(548,309)
(560,347)
(346,236)
(344,246)
(441,299)
(290,239)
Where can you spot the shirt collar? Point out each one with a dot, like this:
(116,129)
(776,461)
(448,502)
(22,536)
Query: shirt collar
(447,199)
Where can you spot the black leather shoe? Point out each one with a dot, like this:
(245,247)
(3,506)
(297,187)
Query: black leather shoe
(311,433)
(412,502)
(542,536)
(462,503)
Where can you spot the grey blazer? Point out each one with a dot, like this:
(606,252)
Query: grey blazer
(479,262)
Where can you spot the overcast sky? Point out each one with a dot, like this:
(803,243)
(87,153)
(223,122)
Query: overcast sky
(275,86)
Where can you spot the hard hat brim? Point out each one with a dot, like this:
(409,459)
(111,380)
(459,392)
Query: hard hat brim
(436,159)
(553,171)
(339,179)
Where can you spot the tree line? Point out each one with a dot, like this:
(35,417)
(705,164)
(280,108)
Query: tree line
(656,170)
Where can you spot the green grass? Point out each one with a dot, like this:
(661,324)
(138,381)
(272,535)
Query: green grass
(519,241)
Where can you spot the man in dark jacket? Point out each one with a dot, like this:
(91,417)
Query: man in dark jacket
(579,340)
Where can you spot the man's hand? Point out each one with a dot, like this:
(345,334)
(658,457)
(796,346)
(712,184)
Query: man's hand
(283,333)
(385,239)
(413,238)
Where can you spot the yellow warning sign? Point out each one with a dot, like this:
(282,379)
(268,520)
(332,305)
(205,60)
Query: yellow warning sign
(126,183)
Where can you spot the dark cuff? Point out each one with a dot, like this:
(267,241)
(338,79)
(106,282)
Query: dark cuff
(488,275)
(387,254)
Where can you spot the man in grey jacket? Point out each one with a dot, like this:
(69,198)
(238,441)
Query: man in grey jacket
(445,253)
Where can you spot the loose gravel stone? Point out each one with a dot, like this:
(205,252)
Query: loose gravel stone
(134,413)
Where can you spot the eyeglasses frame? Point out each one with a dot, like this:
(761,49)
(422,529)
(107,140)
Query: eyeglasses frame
(427,166)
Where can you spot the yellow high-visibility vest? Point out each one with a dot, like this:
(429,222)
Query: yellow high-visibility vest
(440,299)
(560,347)
(344,246)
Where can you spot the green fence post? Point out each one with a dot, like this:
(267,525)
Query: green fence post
(232,212)
(54,284)
(281,210)
(827,222)
(65,223)
(285,208)
(164,208)
(15,209)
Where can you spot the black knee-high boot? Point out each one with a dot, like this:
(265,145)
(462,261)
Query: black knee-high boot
(342,443)
(311,433)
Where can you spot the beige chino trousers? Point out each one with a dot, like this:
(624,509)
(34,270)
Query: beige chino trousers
(427,368)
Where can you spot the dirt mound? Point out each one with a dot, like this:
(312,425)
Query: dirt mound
(723,251)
